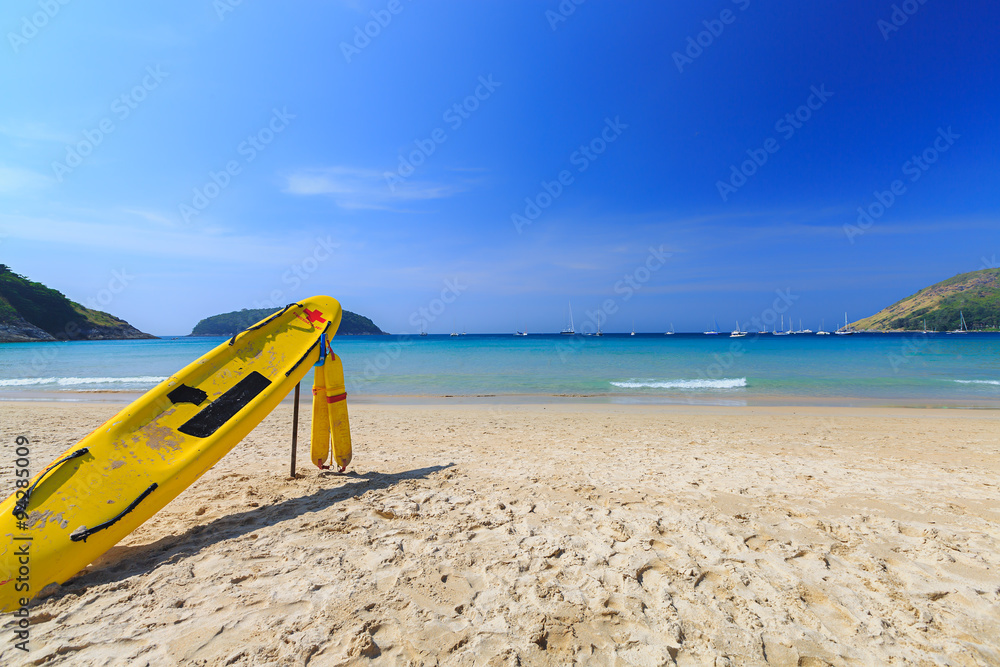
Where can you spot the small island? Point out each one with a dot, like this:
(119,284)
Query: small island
(31,312)
(233,322)
(974,295)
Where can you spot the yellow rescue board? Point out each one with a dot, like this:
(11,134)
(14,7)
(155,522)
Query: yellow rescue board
(106,485)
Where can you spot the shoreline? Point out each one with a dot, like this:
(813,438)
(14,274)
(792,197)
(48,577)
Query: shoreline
(104,397)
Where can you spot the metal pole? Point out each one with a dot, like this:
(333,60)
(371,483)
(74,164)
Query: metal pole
(295,427)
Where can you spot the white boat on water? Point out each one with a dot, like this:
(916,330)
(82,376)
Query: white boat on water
(633,328)
(962,326)
(671,332)
(822,329)
(846,331)
(738,333)
(715,329)
(571,329)
(782,332)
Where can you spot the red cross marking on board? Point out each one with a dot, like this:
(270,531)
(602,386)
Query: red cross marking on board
(314,316)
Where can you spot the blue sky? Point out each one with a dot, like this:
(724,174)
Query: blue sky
(172,162)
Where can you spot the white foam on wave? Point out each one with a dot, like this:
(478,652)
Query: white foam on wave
(75,382)
(723,383)
(996,382)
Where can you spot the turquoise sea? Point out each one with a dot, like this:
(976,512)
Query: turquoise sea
(863,369)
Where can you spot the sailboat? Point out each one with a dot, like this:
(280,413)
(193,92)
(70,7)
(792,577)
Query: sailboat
(925,326)
(822,329)
(715,329)
(738,333)
(422,332)
(846,331)
(570,330)
(782,332)
(599,332)
(454,330)
(962,326)
(801,330)
(633,328)
(671,332)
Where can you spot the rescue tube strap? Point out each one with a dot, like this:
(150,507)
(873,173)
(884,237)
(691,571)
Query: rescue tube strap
(21,506)
(322,349)
(337,398)
(82,533)
(308,352)
(268,320)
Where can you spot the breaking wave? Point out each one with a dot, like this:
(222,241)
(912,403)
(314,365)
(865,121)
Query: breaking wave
(723,383)
(77,382)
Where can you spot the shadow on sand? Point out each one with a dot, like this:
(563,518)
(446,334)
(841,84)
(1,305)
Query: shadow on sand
(120,563)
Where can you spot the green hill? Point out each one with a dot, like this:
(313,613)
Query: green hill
(228,324)
(975,294)
(30,311)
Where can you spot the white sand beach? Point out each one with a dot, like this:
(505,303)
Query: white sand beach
(551,535)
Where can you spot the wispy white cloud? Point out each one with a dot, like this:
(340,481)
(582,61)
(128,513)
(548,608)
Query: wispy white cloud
(192,243)
(33,131)
(152,216)
(358,188)
(15,180)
